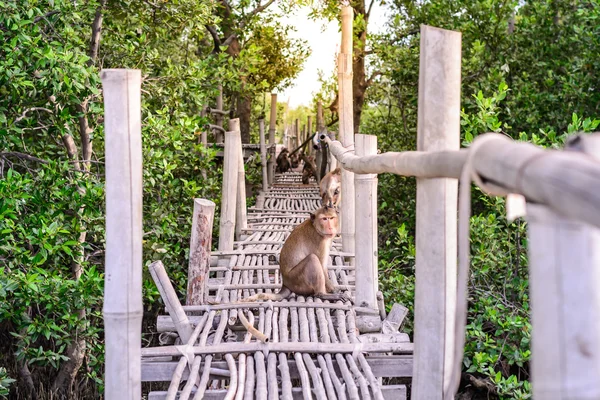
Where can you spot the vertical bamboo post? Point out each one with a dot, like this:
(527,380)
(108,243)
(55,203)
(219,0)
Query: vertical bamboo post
(435,292)
(272,125)
(263,155)
(346,124)
(241,219)
(219,118)
(296,133)
(366,227)
(320,150)
(200,243)
(565,300)
(123,263)
(230,184)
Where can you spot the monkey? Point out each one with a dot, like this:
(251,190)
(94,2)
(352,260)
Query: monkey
(294,160)
(304,257)
(283,162)
(330,188)
(310,169)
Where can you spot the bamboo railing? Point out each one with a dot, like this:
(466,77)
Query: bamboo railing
(563,207)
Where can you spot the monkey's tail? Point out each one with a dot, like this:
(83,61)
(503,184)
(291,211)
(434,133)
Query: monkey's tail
(284,293)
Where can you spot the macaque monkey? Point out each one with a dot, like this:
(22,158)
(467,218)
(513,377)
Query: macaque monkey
(294,160)
(283,162)
(309,168)
(331,188)
(304,258)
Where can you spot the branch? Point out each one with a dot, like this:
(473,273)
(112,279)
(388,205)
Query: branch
(45,16)
(228,41)
(96,31)
(370,80)
(23,156)
(32,109)
(369,10)
(217,42)
(257,10)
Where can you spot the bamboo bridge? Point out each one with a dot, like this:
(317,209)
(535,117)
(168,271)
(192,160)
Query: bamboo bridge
(217,348)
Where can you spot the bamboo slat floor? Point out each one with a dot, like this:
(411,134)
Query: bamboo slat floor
(317,349)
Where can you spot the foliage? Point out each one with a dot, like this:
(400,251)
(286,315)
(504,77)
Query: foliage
(5,382)
(47,199)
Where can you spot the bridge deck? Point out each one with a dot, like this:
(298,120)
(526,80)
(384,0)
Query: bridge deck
(314,348)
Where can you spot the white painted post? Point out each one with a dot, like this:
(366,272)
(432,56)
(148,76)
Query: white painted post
(366,227)
(200,244)
(564,269)
(230,184)
(263,155)
(564,265)
(346,114)
(435,291)
(241,218)
(272,126)
(123,263)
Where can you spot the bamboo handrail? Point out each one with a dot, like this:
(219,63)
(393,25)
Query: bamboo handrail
(565,181)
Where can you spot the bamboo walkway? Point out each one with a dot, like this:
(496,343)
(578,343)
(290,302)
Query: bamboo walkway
(313,348)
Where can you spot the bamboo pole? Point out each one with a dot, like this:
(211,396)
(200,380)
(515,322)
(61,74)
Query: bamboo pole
(366,228)
(200,242)
(346,124)
(123,263)
(272,126)
(296,133)
(241,218)
(263,155)
(435,290)
(164,286)
(230,182)
(565,299)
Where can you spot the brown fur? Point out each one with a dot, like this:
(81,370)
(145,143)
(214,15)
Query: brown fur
(304,258)
(309,168)
(330,188)
(283,162)
(295,160)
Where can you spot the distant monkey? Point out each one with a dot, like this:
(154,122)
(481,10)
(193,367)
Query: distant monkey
(330,188)
(309,168)
(294,160)
(283,162)
(304,258)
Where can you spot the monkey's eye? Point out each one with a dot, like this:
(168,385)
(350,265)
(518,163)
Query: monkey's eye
(336,191)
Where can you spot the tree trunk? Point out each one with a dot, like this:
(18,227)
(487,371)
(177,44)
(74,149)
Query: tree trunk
(244,110)
(63,383)
(359,79)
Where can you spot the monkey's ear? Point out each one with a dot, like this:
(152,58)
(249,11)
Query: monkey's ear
(312,216)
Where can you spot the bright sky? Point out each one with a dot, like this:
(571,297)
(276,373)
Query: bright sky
(324,41)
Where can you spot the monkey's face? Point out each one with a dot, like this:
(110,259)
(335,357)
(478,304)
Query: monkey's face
(330,193)
(325,220)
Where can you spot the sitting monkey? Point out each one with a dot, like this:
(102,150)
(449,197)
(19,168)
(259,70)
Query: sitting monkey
(283,162)
(294,160)
(304,259)
(331,188)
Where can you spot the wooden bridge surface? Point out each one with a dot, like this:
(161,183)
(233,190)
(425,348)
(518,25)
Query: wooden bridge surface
(314,349)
